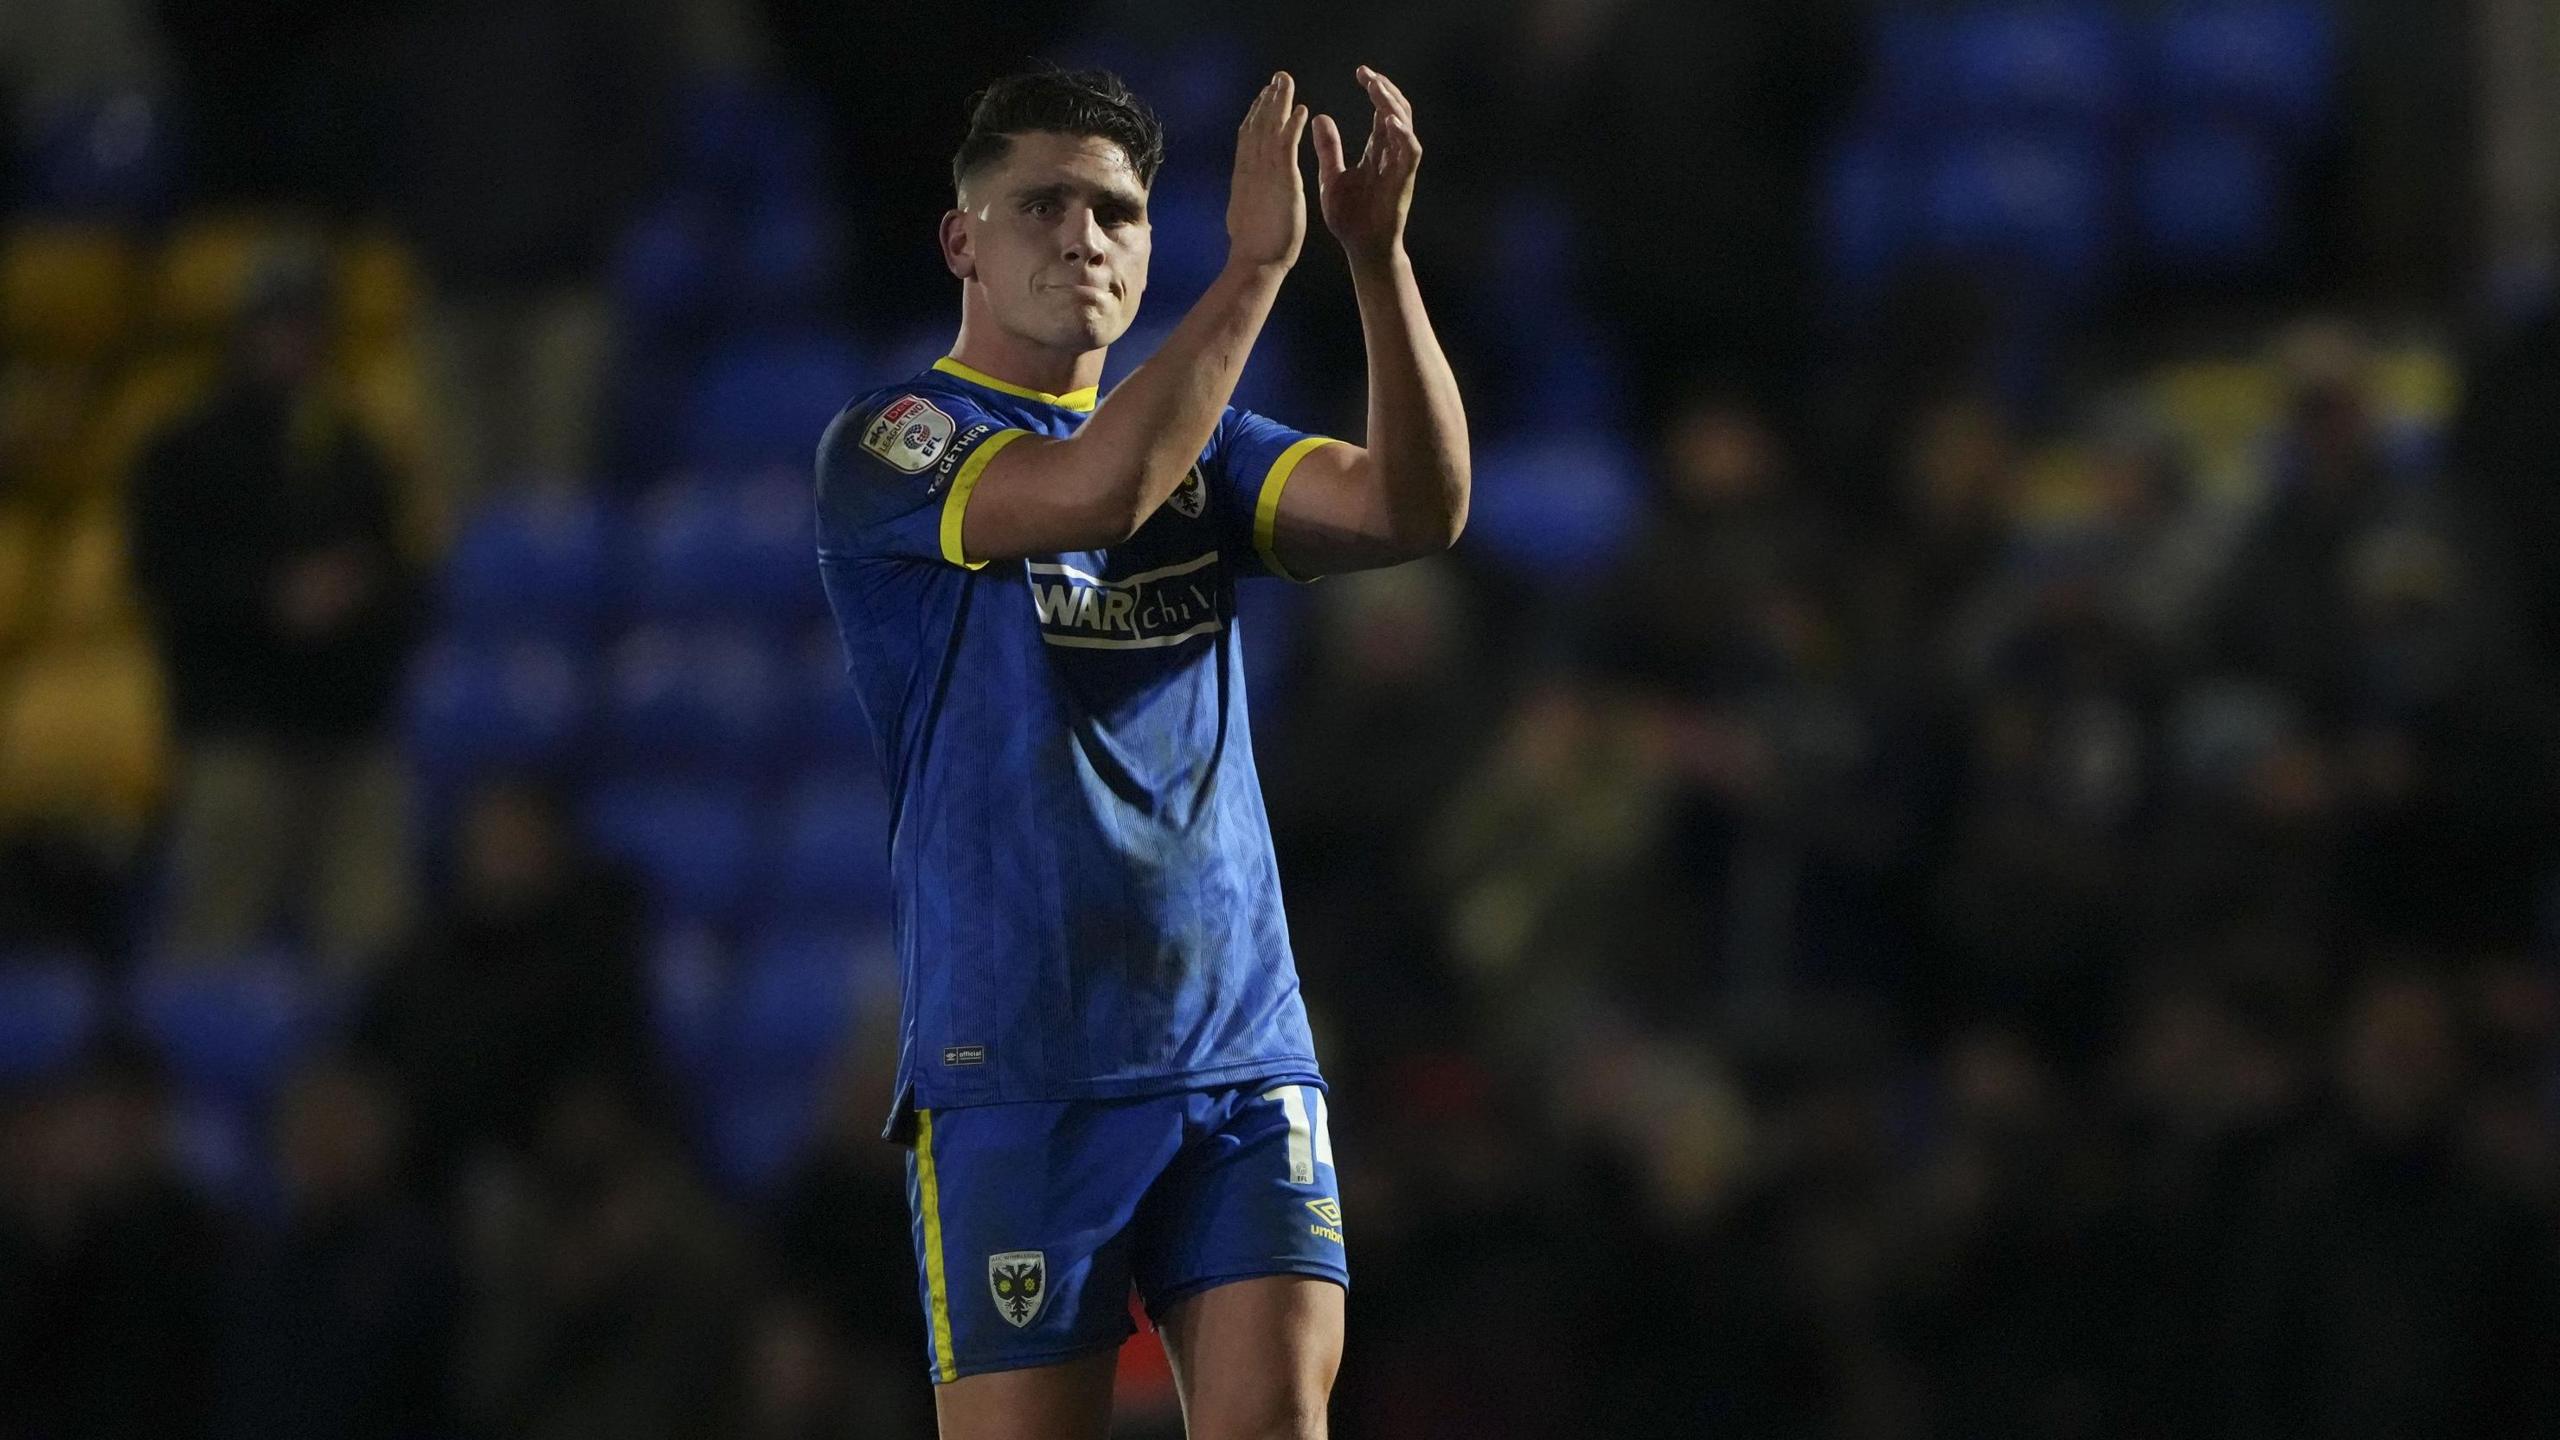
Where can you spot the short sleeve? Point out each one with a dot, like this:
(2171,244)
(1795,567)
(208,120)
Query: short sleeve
(1249,463)
(895,471)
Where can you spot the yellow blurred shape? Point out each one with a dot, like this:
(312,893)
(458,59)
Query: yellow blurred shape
(2223,408)
(208,267)
(2057,486)
(377,289)
(90,588)
(2418,384)
(83,733)
(387,389)
(66,292)
(151,396)
(21,542)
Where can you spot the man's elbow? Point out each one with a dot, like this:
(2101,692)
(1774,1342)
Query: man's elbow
(1446,522)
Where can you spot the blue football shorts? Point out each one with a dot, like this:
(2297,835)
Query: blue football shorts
(1034,1219)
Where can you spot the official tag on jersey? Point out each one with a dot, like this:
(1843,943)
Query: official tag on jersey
(1019,1280)
(910,433)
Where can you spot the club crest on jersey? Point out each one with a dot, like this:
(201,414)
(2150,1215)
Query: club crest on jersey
(909,433)
(1191,496)
(1019,1280)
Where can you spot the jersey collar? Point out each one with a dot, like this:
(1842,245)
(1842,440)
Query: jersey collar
(1083,399)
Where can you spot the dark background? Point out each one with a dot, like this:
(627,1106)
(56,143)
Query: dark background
(1966,846)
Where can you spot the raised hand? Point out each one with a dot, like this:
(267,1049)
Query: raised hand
(1365,204)
(1267,202)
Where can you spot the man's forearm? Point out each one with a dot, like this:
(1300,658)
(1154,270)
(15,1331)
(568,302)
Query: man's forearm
(1144,439)
(1417,423)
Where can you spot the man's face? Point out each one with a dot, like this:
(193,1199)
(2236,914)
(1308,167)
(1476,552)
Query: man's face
(1055,236)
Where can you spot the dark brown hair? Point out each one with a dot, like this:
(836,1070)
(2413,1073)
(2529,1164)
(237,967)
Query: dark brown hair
(1093,103)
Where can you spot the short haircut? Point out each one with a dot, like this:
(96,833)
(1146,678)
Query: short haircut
(1092,103)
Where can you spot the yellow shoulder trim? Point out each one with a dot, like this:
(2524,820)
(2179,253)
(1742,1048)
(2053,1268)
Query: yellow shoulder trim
(957,502)
(1266,507)
(1084,399)
(937,1284)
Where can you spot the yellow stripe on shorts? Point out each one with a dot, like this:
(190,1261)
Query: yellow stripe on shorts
(937,1286)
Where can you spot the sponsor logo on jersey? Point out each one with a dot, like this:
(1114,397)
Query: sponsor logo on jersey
(1328,1210)
(1019,1281)
(1191,496)
(1138,612)
(909,433)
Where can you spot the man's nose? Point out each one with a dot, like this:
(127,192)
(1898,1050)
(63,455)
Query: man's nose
(1084,236)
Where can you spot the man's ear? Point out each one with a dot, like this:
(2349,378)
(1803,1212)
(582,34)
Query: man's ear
(957,254)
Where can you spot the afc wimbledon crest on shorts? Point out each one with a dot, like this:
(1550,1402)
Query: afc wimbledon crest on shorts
(909,432)
(1020,1281)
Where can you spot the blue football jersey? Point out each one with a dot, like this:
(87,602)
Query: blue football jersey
(1086,903)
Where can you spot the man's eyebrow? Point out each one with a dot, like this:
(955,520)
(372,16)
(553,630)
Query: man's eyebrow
(1100,195)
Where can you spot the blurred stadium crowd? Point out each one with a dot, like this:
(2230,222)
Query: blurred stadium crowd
(1967,847)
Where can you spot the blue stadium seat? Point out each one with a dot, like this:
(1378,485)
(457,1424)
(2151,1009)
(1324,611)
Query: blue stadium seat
(785,266)
(742,550)
(48,1010)
(667,264)
(1197,85)
(1866,211)
(230,1028)
(2008,200)
(752,144)
(508,706)
(831,850)
(758,1132)
(830,727)
(766,401)
(2209,200)
(2037,62)
(104,156)
(1907,51)
(694,843)
(221,1147)
(793,1007)
(688,997)
(2264,61)
(707,698)
(1553,507)
(530,562)
(1189,217)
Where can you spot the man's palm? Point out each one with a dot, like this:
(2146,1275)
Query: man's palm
(1365,203)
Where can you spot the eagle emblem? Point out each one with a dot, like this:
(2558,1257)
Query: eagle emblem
(1190,497)
(1019,1280)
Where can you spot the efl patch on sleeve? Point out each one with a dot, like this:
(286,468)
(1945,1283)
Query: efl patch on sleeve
(909,433)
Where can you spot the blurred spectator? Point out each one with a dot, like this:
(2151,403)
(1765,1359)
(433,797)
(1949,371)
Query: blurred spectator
(1398,695)
(2503,442)
(2209,1085)
(611,1295)
(844,1318)
(2280,617)
(342,1321)
(523,134)
(799,1385)
(263,546)
(2388,1285)
(530,966)
(2000,1298)
(2043,876)
(109,1263)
